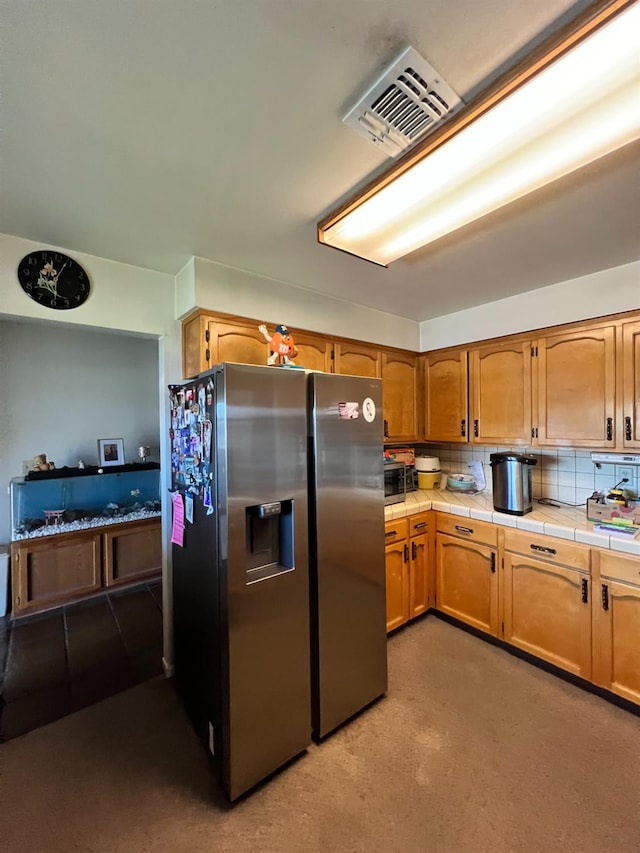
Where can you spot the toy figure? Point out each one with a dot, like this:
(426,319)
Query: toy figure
(40,463)
(282,349)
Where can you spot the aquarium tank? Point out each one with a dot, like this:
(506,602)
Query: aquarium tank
(59,504)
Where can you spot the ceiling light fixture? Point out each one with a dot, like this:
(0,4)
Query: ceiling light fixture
(577,99)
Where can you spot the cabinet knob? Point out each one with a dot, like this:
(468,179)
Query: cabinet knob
(627,429)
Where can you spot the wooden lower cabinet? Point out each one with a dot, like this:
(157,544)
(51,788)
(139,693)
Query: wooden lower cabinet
(467,581)
(616,624)
(53,570)
(547,599)
(466,571)
(131,554)
(407,568)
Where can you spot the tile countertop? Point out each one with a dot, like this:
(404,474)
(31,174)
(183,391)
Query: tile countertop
(563,522)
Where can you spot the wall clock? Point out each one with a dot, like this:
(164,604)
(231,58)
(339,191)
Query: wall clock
(53,280)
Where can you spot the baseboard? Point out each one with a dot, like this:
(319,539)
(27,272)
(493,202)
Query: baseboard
(602,692)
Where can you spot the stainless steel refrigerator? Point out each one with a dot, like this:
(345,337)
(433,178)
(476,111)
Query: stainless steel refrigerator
(346,532)
(278,573)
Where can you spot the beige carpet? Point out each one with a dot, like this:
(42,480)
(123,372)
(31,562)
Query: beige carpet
(472,750)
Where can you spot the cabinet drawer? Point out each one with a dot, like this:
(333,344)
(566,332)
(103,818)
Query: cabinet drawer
(619,568)
(418,524)
(468,528)
(395,531)
(547,548)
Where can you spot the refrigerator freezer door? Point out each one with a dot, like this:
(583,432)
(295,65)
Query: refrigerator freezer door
(260,416)
(349,639)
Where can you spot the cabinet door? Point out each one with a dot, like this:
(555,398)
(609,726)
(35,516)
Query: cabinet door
(400,395)
(357,360)
(132,552)
(397,572)
(445,396)
(616,625)
(576,388)
(196,353)
(314,353)
(54,570)
(418,575)
(235,342)
(500,386)
(617,638)
(631,385)
(547,612)
(467,582)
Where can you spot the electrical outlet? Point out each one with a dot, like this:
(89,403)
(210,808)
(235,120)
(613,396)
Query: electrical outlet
(625,472)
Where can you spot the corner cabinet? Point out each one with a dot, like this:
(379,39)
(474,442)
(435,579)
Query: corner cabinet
(401,395)
(466,571)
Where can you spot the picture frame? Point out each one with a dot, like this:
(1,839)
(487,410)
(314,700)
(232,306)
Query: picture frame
(110,452)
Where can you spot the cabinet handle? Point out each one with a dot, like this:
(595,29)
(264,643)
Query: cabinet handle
(475,427)
(461,529)
(390,533)
(627,429)
(414,550)
(585,590)
(420,525)
(605,596)
(493,561)
(543,549)
(386,429)
(463,427)
(609,429)
(406,553)
(207,354)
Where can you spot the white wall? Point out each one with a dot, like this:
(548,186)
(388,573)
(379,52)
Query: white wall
(65,388)
(595,295)
(232,291)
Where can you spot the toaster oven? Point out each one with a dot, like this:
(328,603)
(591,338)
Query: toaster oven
(398,480)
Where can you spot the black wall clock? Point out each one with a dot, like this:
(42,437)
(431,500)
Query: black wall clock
(53,280)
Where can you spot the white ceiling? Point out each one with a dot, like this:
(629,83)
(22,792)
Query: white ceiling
(148,131)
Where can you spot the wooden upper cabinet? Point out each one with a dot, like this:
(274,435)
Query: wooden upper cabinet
(234,342)
(631,385)
(445,396)
(576,381)
(400,395)
(500,391)
(195,346)
(314,352)
(357,360)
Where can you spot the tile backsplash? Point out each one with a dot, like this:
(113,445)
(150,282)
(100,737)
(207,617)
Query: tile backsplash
(564,474)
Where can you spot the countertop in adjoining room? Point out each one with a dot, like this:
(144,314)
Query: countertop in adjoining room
(563,522)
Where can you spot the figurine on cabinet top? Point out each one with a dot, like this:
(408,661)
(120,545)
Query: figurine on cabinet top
(40,463)
(282,349)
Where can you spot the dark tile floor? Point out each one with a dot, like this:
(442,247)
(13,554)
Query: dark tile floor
(57,662)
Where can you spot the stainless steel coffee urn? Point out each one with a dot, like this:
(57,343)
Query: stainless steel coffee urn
(511,475)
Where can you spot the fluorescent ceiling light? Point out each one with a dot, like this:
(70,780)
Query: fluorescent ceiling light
(575,103)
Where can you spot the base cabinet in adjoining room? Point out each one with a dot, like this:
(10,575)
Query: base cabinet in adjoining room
(616,624)
(466,572)
(48,571)
(52,570)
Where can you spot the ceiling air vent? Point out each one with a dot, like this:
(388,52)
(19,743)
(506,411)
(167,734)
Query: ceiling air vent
(403,105)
